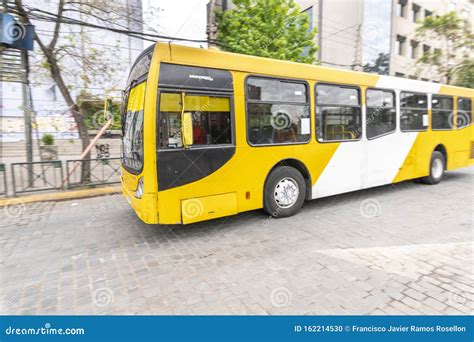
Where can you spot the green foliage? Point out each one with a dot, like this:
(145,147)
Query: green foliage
(47,139)
(267,28)
(380,65)
(466,74)
(454,60)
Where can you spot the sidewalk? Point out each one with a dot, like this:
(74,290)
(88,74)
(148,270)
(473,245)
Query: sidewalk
(61,195)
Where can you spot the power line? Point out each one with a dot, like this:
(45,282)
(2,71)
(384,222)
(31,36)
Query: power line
(52,17)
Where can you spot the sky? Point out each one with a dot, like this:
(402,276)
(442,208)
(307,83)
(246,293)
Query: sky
(179,18)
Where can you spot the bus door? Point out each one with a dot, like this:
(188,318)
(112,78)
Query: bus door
(388,148)
(206,95)
(339,128)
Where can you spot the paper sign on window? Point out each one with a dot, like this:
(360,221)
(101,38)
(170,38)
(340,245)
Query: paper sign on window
(305,126)
(425,120)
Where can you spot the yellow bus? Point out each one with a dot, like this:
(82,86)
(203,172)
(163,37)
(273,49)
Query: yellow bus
(208,134)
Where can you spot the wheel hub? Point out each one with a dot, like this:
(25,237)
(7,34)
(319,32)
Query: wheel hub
(286,192)
(437,168)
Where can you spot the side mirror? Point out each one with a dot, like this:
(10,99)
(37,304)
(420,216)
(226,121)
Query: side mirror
(187,130)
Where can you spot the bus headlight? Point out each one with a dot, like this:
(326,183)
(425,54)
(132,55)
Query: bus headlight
(139,191)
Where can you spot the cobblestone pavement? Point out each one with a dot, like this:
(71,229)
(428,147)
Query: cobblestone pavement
(401,249)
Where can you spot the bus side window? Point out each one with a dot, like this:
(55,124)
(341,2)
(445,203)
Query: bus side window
(442,112)
(277,111)
(338,111)
(210,115)
(381,113)
(413,111)
(464,113)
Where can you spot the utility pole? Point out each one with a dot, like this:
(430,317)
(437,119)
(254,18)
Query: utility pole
(211,22)
(27,111)
(15,68)
(357,64)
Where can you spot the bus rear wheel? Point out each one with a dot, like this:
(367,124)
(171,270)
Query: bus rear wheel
(437,169)
(285,191)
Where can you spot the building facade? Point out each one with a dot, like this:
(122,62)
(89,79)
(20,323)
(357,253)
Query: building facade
(371,35)
(406,47)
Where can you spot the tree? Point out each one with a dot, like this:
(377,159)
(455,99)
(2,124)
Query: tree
(454,60)
(267,28)
(69,57)
(466,74)
(380,65)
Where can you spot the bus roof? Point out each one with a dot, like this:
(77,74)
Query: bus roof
(214,58)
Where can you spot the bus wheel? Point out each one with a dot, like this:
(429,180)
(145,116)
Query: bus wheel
(437,167)
(285,191)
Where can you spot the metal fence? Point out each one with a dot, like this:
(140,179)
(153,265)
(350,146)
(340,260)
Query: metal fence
(3,180)
(37,176)
(103,171)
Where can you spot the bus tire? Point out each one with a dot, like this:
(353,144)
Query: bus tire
(437,169)
(284,192)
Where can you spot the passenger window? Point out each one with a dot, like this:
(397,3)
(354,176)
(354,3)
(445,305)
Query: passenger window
(413,112)
(338,113)
(381,113)
(442,112)
(210,115)
(464,114)
(278,111)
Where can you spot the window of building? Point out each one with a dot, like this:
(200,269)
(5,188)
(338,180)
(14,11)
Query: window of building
(464,113)
(425,79)
(414,49)
(442,112)
(402,8)
(210,115)
(413,111)
(399,74)
(412,77)
(277,111)
(400,45)
(415,9)
(428,13)
(338,111)
(381,113)
(426,49)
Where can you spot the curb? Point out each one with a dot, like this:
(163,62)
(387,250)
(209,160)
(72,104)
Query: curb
(61,196)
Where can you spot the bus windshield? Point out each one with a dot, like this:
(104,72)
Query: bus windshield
(132,140)
(132,113)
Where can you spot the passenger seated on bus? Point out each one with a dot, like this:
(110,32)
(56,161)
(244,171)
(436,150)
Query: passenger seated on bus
(286,135)
(199,134)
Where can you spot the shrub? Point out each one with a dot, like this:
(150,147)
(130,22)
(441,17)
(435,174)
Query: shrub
(47,139)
